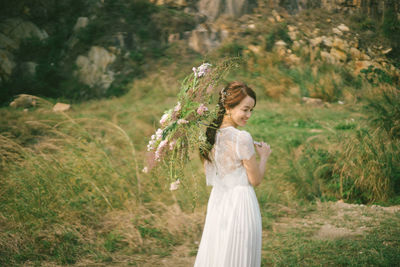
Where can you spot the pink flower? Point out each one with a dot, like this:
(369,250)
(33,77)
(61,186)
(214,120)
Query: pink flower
(202,70)
(164,118)
(172,144)
(178,107)
(174,185)
(159,133)
(182,121)
(159,150)
(201,109)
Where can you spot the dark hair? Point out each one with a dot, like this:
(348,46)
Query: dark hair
(230,96)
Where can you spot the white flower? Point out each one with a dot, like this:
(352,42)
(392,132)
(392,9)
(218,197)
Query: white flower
(150,144)
(182,121)
(202,70)
(164,118)
(145,170)
(174,185)
(159,133)
(178,107)
(172,144)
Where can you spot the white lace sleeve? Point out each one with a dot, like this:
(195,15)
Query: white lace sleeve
(210,173)
(244,146)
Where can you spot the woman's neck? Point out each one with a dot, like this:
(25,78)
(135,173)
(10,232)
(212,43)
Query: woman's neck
(226,122)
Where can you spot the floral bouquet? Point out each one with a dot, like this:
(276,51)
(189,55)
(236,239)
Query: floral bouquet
(182,128)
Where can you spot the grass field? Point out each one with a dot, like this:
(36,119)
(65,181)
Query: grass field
(72,190)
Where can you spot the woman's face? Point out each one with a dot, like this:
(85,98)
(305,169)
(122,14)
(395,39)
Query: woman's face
(242,112)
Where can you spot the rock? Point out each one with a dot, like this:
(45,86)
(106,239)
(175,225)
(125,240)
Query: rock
(293,59)
(6,62)
(316,41)
(61,107)
(296,46)
(340,44)
(93,68)
(355,53)
(28,68)
(7,43)
(293,35)
(343,28)
(337,31)
(327,41)
(280,47)
(212,9)
(276,16)
(81,22)
(204,39)
(325,56)
(18,29)
(23,101)
(312,101)
(360,65)
(338,55)
(386,51)
(255,49)
(173,37)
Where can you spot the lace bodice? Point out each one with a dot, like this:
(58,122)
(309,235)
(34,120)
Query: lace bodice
(231,147)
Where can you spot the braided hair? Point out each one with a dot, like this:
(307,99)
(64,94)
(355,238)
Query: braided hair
(230,96)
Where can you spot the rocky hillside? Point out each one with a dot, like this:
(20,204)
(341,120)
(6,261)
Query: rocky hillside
(83,49)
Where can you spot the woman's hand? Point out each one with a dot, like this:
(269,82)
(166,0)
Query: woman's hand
(264,150)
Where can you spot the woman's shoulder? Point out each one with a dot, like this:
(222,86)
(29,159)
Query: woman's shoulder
(244,134)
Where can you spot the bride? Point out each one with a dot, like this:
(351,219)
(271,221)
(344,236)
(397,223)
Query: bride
(232,230)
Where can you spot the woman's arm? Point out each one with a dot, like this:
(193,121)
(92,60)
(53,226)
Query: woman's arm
(255,171)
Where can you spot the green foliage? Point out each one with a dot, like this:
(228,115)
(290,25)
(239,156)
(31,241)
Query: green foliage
(312,173)
(391,30)
(376,76)
(278,32)
(383,109)
(231,50)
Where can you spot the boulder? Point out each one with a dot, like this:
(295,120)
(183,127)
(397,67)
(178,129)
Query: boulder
(6,63)
(325,56)
(61,107)
(343,28)
(7,43)
(204,39)
(337,31)
(316,41)
(212,9)
(360,65)
(355,53)
(81,22)
(23,101)
(338,55)
(28,68)
(18,29)
(312,101)
(93,69)
(327,41)
(340,44)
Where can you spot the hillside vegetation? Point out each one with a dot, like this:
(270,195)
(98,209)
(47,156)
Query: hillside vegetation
(72,190)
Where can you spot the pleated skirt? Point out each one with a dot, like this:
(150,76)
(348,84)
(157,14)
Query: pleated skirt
(232,230)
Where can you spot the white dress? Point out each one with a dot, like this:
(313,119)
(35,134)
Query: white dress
(233,228)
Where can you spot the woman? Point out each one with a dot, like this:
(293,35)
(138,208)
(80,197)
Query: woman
(232,231)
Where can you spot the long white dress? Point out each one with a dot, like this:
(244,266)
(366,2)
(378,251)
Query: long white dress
(233,228)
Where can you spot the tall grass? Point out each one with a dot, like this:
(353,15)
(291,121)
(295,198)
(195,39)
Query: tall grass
(75,189)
